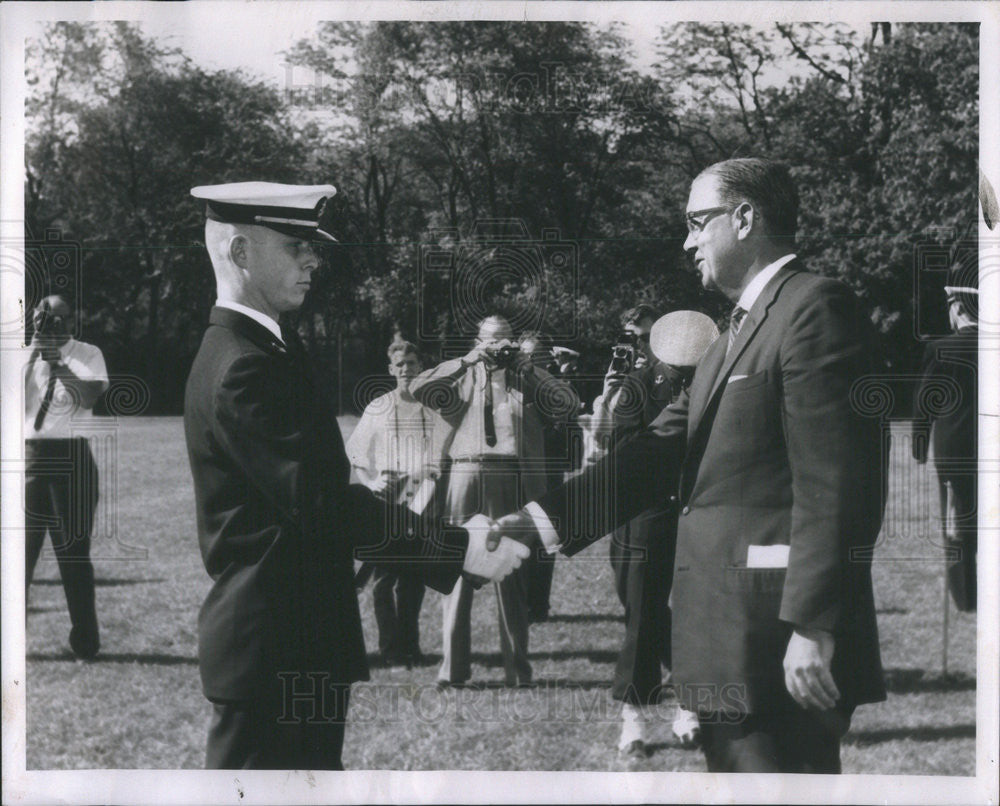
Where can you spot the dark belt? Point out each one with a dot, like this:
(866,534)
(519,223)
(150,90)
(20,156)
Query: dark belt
(487,459)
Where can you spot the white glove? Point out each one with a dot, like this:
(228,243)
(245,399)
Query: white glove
(492,565)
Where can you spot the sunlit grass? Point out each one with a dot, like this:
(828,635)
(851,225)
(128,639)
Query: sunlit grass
(140,705)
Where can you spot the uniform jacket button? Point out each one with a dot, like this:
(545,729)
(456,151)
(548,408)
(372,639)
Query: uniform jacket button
(685,511)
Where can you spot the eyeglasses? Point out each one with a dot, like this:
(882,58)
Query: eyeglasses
(706,215)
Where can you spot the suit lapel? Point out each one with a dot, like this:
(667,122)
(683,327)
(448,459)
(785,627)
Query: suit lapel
(724,363)
(703,381)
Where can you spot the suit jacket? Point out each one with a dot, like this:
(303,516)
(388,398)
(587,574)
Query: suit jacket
(536,398)
(278,520)
(764,449)
(947,400)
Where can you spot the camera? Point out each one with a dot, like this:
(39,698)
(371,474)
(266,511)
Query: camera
(50,325)
(623,353)
(504,357)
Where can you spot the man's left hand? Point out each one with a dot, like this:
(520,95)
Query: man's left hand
(807,669)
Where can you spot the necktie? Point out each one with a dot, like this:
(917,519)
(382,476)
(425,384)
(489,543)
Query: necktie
(735,323)
(488,425)
(50,391)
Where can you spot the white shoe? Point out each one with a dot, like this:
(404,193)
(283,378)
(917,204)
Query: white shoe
(686,728)
(633,727)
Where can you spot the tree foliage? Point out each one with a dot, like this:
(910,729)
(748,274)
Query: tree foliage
(497,144)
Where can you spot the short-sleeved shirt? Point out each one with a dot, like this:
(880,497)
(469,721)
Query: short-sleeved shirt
(398,435)
(65,413)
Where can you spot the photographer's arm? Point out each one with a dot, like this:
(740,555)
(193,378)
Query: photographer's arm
(86,389)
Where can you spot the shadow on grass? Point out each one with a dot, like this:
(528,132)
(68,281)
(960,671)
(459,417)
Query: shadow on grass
(104,583)
(493,660)
(912,681)
(929,733)
(574,618)
(539,684)
(153,659)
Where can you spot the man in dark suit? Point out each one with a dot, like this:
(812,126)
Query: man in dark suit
(951,365)
(279,635)
(637,387)
(780,487)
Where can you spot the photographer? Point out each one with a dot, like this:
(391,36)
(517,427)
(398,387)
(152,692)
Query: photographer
(63,379)
(636,389)
(493,398)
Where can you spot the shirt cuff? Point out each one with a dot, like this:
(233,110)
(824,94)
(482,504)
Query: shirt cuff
(548,535)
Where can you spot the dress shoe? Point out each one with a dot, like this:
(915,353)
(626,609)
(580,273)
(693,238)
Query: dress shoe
(85,645)
(634,751)
(686,728)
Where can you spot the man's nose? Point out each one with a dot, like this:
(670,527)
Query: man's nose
(689,242)
(309,257)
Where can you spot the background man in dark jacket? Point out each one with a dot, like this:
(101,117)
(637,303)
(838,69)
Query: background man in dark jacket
(950,372)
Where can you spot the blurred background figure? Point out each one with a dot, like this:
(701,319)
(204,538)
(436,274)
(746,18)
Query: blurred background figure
(490,396)
(62,381)
(637,387)
(541,566)
(952,428)
(396,451)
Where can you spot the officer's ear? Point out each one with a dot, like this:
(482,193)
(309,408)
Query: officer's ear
(238,250)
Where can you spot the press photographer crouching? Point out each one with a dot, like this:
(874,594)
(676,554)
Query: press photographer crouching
(63,378)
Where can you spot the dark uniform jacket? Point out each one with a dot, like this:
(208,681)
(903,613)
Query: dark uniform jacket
(278,521)
(947,398)
(766,448)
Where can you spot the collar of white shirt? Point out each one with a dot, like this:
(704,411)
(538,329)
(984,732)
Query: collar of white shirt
(257,316)
(756,285)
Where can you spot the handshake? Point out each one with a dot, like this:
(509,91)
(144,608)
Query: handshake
(492,554)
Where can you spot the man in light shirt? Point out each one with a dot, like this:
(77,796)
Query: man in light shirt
(62,381)
(395,449)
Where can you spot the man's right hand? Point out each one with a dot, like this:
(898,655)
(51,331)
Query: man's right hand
(387,484)
(612,380)
(474,356)
(486,561)
(518,526)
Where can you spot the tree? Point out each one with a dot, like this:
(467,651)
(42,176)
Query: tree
(114,169)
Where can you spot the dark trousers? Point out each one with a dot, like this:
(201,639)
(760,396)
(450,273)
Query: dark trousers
(60,498)
(539,566)
(797,741)
(961,545)
(397,600)
(641,559)
(281,730)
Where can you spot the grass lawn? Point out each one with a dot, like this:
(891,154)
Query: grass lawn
(140,704)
